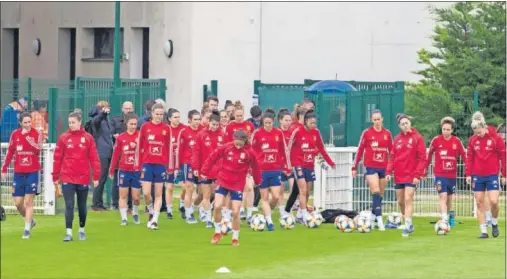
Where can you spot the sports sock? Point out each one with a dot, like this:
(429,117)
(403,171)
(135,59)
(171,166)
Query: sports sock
(304,212)
(218,228)
(28,226)
(150,208)
(281,208)
(135,210)
(182,203)
(494,221)
(249,211)
(380,222)
(408,222)
(169,208)
(299,214)
(155,217)
(488,215)
(376,204)
(268,219)
(188,212)
(81,230)
(69,231)
(208,216)
(444,216)
(123,213)
(235,234)
(484,228)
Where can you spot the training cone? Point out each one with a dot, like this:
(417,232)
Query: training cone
(223,269)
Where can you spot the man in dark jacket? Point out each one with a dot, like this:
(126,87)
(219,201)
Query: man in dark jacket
(118,126)
(256,113)
(103,135)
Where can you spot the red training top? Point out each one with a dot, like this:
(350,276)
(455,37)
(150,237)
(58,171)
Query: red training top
(26,148)
(446,156)
(207,141)
(408,157)
(270,149)
(376,146)
(125,153)
(304,146)
(155,146)
(187,138)
(485,155)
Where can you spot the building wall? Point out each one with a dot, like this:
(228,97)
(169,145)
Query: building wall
(234,43)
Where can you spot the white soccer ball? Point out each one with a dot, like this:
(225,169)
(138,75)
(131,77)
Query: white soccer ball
(287,222)
(225,226)
(311,222)
(394,219)
(318,218)
(364,224)
(442,227)
(344,223)
(258,223)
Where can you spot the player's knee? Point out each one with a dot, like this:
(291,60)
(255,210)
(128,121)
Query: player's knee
(407,200)
(493,202)
(28,203)
(235,213)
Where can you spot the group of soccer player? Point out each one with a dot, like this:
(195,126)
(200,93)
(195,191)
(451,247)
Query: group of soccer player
(229,160)
(406,157)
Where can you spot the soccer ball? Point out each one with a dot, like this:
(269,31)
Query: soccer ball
(287,222)
(311,222)
(394,219)
(364,224)
(442,227)
(344,223)
(258,223)
(225,226)
(318,218)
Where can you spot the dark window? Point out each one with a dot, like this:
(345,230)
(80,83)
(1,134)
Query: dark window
(104,42)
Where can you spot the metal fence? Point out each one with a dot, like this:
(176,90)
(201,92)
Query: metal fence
(338,189)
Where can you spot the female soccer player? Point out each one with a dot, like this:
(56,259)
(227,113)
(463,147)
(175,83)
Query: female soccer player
(24,146)
(285,120)
(224,120)
(154,155)
(75,149)
(408,159)
(173,116)
(207,141)
(269,145)
(240,124)
(128,175)
(485,159)
(447,148)
(186,142)
(304,145)
(236,162)
(377,142)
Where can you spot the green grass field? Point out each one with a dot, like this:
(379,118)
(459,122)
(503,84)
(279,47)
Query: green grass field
(178,250)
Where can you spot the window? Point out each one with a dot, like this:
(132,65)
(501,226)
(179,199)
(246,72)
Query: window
(104,42)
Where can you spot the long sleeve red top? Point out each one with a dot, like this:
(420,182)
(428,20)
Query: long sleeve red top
(246,126)
(207,141)
(75,154)
(270,149)
(26,148)
(408,157)
(187,140)
(446,156)
(234,167)
(485,155)
(155,146)
(124,153)
(304,146)
(376,146)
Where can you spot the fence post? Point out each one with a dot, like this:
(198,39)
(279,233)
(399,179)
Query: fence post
(162,88)
(204,92)
(29,93)
(348,116)
(257,84)
(77,83)
(214,87)
(476,101)
(53,113)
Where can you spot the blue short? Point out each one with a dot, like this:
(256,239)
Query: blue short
(186,173)
(381,172)
(128,179)
(235,195)
(153,173)
(286,178)
(445,185)
(306,174)
(26,184)
(483,183)
(402,186)
(271,179)
(170,178)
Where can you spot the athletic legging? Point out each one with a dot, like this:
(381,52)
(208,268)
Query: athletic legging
(69,191)
(257,196)
(293,197)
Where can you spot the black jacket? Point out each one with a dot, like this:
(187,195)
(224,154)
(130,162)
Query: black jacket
(102,132)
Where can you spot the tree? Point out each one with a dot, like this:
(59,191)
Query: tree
(468,55)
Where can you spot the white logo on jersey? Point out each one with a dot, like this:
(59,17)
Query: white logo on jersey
(192,143)
(19,148)
(443,153)
(126,147)
(304,146)
(242,156)
(82,139)
(409,141)
(219,138)
(489,142)
(265,146)
(151,137)
(374,144)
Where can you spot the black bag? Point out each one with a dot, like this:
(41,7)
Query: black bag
(88,127)
(3,217)
(330,215)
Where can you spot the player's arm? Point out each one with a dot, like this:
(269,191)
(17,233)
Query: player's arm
(212,160)
(282,151)
(115,157)
(170,148)
(196,153)
(360,150)
(322,149)
(181,148)
(500,148)
(11,149)
(58,159)
(469,160)
(93,156)
(256,171)
(421,158)
(139,146)
(430,153)
(390,163)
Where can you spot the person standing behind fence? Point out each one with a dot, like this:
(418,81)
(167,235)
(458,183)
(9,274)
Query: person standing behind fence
(103,134)
(376,143)
(408,159)
(485,159)
(118,126)
(447,148)
(39,113)
(25,145)
(10,117)
(75,149)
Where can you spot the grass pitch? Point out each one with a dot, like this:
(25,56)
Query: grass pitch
(178,250)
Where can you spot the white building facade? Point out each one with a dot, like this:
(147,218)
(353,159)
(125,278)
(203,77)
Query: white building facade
(234,43)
